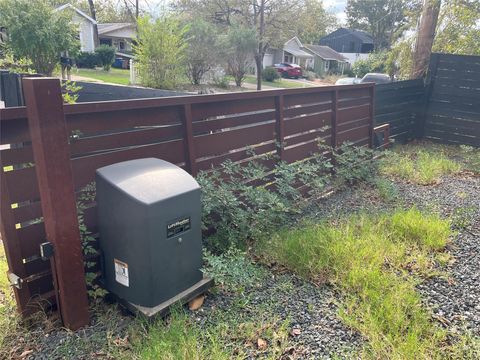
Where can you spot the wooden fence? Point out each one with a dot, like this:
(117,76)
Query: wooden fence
(50,151)
(401,105)
(453,111)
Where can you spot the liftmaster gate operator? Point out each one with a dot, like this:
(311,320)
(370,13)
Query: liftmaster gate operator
(149,215)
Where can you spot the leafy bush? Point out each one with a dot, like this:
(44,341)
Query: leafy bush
(221,81)
(376,62)
(354,163)
(160,52)
(89,243)
(201,51)
(270,74)
(105,55)
(86,60)
(233,270)
(238,209)
(310,75)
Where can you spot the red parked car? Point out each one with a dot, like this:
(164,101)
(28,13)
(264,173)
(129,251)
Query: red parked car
(289,70)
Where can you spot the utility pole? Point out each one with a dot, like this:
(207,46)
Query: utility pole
(136,9)
(425,37)
(261,50)
(93,14)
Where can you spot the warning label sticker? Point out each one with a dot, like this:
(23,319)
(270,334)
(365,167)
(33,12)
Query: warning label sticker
(121,272)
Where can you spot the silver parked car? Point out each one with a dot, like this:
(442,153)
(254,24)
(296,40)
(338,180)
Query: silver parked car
(347,81)
(376,78)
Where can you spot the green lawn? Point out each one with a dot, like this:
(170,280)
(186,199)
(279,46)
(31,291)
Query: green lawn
(114,76)
(281,83)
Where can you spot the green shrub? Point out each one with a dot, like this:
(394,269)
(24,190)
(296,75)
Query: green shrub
(270,74)
(105,55)
(86,60)
(310,75)
(160,52)
(233,270)
(239,204)
(354,163)
(221,81)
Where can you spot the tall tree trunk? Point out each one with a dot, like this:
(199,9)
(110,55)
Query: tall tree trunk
(260,50)
(425,37)
(93,14)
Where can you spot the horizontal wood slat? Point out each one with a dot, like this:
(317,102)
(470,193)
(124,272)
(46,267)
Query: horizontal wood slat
(221,127)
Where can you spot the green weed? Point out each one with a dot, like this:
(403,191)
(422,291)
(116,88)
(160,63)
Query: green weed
(420,165)
(228,335)
(370,258)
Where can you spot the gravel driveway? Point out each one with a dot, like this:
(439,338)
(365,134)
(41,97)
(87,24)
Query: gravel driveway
(453,299)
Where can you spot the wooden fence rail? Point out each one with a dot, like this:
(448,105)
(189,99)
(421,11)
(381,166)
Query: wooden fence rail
(194,132)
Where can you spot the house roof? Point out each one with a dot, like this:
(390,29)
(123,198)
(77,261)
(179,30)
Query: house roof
(78,11)
(325,52)
(298,52)
(364,37)
(109,27)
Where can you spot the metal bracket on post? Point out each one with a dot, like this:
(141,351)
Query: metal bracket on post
(15,280)
(46,250)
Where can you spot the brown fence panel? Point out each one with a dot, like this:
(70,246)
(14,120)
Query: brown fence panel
(194,132)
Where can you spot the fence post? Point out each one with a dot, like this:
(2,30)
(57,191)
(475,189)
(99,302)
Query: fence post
(372,116)
(333,130)
(428,88)
(189,145)
(51,153)
(280,128)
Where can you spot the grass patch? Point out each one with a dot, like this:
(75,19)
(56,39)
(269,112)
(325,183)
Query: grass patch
(114,76)
(280,83)
(227,335)
(419,165)
(370,258)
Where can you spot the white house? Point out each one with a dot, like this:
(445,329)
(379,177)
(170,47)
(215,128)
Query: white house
(118,35)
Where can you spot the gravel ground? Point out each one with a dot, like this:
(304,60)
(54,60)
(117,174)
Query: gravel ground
(311,310)
(454,299)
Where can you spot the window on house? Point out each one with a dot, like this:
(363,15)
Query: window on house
(327,65)
(121,45)
(288,58)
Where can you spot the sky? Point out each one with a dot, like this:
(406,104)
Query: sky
(336,7)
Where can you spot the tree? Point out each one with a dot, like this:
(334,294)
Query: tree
(272,20)
(313,22)
(458,30)
(425,37)
(160,52)
(385,20)
(201,52)
(239,45)
(93,14)
(38,33)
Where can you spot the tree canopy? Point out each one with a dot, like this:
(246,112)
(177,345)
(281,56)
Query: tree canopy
(37,33)
(385,20)
(458,29)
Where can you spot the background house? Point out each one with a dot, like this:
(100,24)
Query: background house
(326,60)
(85,27)
(320,59)
(351,44)
(118,35)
